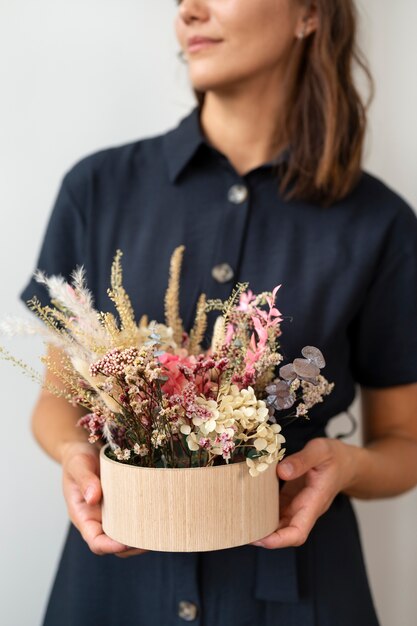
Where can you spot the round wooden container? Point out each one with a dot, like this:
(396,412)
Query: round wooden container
(187,509)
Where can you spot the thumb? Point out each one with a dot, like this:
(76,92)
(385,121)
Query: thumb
(316,452)
(83,469)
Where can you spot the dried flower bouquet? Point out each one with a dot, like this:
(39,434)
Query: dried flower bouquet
(154,394)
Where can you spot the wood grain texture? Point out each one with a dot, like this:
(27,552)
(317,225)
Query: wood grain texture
(187,510)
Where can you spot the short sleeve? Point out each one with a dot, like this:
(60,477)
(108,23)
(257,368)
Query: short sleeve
(383,335)
(62,247)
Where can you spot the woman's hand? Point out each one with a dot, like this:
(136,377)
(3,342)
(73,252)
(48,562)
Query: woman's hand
(315,476)
(82,492)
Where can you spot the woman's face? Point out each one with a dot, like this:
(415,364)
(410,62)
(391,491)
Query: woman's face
(254,38)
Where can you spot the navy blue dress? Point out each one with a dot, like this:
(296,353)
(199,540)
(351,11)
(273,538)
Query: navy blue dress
(349,286)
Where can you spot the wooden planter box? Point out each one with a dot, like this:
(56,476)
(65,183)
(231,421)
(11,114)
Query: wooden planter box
(187,509)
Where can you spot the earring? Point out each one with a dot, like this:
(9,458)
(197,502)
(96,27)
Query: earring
(302,34)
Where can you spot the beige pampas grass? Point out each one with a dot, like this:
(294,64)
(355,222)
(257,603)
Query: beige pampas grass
(75,298)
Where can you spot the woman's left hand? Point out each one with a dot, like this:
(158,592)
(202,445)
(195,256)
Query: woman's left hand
(315,475)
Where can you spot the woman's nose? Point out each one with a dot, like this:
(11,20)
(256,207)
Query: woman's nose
(193,10)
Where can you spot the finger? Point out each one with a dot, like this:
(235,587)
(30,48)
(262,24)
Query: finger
(83,470)
(92,532)
(78,509)
(293,535)
(316,452)
(130,552)
(295,527)
(98,542)
(87,519)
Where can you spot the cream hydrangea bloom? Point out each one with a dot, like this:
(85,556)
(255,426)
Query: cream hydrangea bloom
(237,415)
(268,439)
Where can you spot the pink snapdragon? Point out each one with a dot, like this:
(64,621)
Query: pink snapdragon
(262,321)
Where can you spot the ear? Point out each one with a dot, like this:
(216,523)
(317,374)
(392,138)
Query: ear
(308,20)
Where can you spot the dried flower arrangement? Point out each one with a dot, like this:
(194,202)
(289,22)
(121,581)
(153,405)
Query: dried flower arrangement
(150,390)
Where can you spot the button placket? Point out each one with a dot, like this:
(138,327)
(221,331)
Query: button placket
(230,239)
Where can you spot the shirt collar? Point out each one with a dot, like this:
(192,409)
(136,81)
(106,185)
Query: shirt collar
(182,142)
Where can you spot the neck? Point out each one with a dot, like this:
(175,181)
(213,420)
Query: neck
(244,129)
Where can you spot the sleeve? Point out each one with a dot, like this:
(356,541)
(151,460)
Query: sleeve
(62,248)
(383,335)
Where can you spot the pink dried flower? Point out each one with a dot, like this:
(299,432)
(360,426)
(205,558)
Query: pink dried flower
(176,368)
(244,301)
(208,364)
(262,331)
(93,422)
(114,362)
(271,301)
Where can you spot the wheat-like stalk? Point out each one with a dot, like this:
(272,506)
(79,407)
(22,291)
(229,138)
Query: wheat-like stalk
(172,303)
(110,325)
(36,376)
(143,322)
(65,372)
(200,325)
(121,300)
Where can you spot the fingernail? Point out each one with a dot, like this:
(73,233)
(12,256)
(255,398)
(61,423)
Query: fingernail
(288,468)
(259,543)
(89,492)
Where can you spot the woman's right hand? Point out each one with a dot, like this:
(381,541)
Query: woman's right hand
(82,492)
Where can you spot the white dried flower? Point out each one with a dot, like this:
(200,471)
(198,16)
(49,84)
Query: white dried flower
(140,449)
(122,455)
(301,409)
(158,438)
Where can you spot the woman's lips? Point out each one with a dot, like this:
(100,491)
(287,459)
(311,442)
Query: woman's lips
(198,43)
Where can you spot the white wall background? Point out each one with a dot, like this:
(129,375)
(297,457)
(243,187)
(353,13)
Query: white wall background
(76,76)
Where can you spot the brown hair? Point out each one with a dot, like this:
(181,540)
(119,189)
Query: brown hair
(324,120)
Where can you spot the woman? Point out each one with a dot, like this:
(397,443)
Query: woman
(276,106)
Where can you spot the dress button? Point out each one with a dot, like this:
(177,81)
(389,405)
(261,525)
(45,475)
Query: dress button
(222,272)
(237,194)
(187,611)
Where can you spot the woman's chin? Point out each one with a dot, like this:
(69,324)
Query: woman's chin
(203,84)
(206,81)
(202,79)
(213,86)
